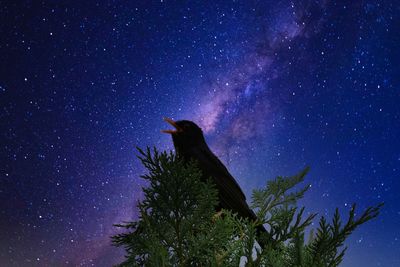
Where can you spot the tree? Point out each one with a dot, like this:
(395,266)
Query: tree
(178,225)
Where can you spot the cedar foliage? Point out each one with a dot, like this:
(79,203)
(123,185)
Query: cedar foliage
(178,225)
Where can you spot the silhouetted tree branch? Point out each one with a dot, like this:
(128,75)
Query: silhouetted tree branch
(178,225)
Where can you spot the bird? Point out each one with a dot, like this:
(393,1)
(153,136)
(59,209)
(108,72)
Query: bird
(189,143)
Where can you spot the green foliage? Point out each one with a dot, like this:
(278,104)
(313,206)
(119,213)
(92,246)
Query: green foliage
(178,225)
(276,207)
(323,250)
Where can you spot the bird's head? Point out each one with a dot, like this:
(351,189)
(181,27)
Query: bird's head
(186,134)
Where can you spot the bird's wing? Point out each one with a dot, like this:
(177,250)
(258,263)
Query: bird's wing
(230,194)
(220,173)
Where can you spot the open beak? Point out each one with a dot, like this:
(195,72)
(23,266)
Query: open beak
(170,121)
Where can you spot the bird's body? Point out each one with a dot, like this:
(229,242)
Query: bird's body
(190,144)
(230,195)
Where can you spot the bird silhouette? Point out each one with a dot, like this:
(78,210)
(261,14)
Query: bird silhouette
(189,143)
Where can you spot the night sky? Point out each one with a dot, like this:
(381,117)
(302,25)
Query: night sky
(275,86)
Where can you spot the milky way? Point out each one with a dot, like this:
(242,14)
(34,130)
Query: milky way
(275,86)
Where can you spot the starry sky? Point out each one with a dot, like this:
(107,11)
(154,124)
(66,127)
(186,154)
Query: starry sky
(275,86)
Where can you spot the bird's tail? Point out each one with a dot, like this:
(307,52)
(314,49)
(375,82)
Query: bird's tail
(260,231)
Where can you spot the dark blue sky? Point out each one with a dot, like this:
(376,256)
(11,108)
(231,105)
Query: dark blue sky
(274,85)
